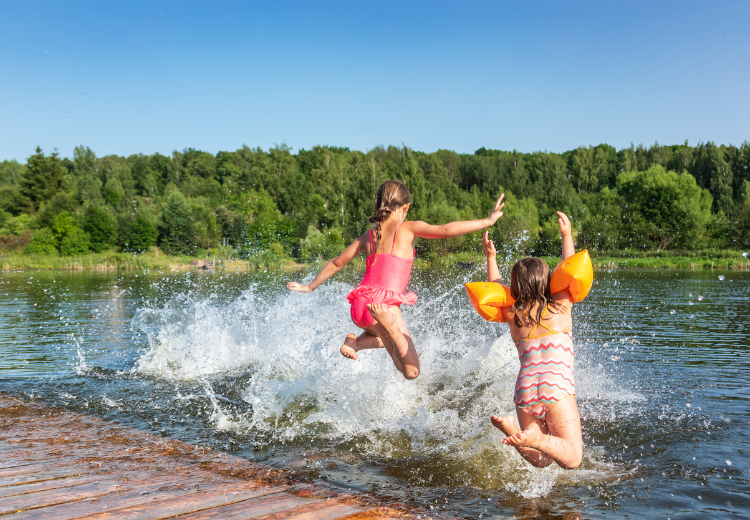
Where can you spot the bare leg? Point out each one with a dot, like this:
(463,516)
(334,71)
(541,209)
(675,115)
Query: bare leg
(390,327)
(564,444)
(507,425)
(353,344)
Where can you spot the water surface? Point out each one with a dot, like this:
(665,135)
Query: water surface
(238,363)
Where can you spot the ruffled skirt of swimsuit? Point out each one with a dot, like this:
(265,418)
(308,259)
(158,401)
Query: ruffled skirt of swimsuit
(364,295)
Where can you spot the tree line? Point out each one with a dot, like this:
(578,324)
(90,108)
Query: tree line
(309,204)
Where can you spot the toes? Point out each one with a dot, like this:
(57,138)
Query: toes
(348,352)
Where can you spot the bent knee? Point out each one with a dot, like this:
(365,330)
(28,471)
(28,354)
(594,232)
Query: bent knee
(411,373)
(573,464)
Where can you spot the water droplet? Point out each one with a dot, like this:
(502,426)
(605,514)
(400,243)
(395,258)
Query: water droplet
(744,254)
(721,277)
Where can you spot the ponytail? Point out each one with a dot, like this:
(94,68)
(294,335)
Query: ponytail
(391,196)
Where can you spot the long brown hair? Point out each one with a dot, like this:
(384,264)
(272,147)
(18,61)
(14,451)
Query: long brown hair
(529,285)
(391,196)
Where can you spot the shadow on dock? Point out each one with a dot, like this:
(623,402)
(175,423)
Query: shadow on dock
(60,465)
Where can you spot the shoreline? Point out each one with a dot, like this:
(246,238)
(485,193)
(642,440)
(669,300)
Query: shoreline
(160,262)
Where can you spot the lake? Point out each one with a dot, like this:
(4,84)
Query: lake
(236,362)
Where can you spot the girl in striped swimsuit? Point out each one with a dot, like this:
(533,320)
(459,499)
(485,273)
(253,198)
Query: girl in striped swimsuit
(541,326)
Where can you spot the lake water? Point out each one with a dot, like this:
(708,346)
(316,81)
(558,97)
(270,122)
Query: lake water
(236,362)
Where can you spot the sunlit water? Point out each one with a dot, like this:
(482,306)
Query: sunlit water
(238,363)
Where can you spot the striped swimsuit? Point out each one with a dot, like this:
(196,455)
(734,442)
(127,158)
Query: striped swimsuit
(546,374)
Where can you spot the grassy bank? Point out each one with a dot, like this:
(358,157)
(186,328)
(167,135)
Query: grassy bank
(152,260)
(723,259)
(157,261)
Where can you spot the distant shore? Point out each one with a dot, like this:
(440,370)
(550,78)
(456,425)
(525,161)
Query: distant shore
(150,261)
(160,262)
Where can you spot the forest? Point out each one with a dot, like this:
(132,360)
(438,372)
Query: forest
(308,205)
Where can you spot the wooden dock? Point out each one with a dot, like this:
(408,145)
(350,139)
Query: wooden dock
(61,465)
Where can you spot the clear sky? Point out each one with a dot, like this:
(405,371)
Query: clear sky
(144,77)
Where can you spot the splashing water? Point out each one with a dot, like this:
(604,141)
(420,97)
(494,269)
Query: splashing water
(80,367)
(281,352)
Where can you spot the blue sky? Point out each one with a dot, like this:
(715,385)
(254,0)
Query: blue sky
(144,77)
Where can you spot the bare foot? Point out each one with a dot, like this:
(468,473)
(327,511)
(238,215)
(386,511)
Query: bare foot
(506,424)
(349,348)
(386,318)
(531,437)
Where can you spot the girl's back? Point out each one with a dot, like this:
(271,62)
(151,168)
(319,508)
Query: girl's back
(556,318)
(404,246)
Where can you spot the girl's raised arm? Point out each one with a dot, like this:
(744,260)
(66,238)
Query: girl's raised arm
(455,229)
(566,230)
(331,268)
(493,273)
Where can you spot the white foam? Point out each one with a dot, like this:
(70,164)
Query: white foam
(299,386)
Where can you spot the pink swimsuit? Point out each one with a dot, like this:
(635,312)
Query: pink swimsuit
(385,281)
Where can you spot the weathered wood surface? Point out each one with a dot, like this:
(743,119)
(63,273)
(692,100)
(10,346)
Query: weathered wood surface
(59,465)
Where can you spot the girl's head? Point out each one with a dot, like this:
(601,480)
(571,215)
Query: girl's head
(529,285)
(392,195)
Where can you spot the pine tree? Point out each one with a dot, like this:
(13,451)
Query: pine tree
(43,177)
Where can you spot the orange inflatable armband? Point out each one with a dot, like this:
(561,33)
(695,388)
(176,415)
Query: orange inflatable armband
(575,274)
(488,298)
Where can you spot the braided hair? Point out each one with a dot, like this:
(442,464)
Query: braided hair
(529,285)
(391,196)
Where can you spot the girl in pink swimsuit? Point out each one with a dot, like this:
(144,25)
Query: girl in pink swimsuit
(375,303)
(540,325)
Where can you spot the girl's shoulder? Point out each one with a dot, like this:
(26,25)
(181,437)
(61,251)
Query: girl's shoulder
(411,225)
(561,307)
(563,299)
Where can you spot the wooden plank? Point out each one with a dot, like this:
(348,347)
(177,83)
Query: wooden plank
(252,508)
(42,476)
(55,496)
(187,504)
(47,484)
(143,494)
(320,510)
(59,465)
(33,468)
(379,513)
(12,463)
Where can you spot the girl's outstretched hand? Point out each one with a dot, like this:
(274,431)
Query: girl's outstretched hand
(294,286)
(489,246)
(565,227)
(496,213)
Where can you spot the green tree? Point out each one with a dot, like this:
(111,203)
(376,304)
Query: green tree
(43,242)
(176,233)
(664,209)
(742,223)
(43,177)
(11,200)
(136,235)
(75,242)
(325,245)
(602,230)
(101,227)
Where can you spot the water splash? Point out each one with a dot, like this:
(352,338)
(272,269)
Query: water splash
(81,367)
(279,354)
